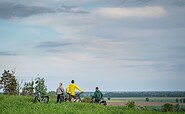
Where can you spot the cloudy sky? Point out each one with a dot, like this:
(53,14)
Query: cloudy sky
(118,45)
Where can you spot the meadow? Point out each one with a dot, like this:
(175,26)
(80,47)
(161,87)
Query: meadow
(24,105)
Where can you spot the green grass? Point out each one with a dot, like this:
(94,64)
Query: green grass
(24,105)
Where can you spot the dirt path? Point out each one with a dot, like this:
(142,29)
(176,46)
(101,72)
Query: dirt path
(140,103)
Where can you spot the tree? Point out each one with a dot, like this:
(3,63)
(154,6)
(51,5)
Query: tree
(28,88)
(177,107)
(19,86)
(177,100)
(40,86)
(183,100)
(147,99)
(8,83)
(167,107)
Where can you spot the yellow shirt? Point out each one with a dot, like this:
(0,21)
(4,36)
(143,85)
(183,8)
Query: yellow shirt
(71,89)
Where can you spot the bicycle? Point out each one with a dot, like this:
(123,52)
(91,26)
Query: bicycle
(77,97)
(62,98)
(102,101)
(41,98)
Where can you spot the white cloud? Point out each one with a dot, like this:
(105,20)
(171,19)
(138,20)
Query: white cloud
(147,11)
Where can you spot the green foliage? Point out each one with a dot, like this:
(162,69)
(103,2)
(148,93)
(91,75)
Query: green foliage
(19,86)
(183,100)
(8,83)
(40,86)
(168,107)
(177,107)
(28,88)
(147,99)
(177,100)
(87,100)
(131,104)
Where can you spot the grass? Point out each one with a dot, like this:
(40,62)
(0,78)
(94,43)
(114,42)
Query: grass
(24,105)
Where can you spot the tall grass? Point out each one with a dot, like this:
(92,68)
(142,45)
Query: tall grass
(24,105)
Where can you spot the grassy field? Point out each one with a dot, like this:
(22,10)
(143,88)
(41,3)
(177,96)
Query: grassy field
(24,105)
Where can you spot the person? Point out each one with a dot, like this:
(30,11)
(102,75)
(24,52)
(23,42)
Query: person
(97,95)
(70,89)
(59,91)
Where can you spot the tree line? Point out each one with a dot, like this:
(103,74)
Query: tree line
(11,86)
(146,94)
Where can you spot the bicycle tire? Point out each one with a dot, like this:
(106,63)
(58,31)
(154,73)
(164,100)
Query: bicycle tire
(62,99)
(45,99)
(35,99)
(103,103)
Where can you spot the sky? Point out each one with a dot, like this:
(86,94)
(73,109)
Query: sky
(117,45)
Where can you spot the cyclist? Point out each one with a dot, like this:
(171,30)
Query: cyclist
(71,90)
(97,95)
(59,91)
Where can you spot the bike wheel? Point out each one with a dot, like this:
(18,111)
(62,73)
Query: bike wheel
(45,99)
(35,99)
(62,99)
(103,103)
(77,100)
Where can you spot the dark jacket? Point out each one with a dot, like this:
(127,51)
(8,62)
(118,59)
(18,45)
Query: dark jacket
(97,95)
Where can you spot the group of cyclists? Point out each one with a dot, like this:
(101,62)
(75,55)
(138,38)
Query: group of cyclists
(70,90)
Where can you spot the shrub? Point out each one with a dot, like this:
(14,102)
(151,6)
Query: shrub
(131,104)
(147,99)
(183,100)
(177,107)
(87,100)
(168,107)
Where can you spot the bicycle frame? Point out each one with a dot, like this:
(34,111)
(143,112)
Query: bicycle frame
(76,98)
(41,98)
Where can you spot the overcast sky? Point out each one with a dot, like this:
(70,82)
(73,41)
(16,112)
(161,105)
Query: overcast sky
(118,45)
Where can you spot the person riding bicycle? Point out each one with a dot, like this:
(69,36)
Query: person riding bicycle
(71,90)
(97,95)
(59,91)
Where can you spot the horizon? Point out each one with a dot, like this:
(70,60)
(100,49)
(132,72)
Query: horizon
(124,45)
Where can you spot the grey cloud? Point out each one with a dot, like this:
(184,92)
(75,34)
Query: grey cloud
(124,3)
(135,1)
(53,44)
(71,9)
(9,10)
(7,54)
(179,3)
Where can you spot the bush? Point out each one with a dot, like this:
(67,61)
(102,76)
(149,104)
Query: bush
(131,104)
(183,100)
(87,100)
(177,107)
(147,99)
(168,107)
